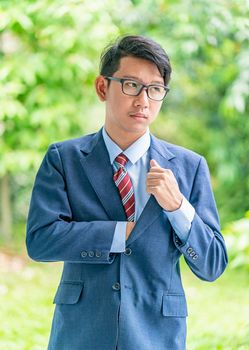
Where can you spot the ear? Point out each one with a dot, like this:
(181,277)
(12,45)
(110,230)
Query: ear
(101,87)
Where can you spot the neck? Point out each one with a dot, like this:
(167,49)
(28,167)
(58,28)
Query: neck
(124,139)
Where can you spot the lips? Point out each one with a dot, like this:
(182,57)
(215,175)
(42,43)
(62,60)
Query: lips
(138,115)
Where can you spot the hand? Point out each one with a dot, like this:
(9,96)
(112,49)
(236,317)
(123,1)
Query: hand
(163,185)
(129,227)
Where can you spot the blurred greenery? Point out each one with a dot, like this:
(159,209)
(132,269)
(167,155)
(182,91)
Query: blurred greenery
(49,57)
(237,241)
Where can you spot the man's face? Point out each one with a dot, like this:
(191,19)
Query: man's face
(126,115)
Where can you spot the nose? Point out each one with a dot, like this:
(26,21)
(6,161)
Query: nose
(142,99)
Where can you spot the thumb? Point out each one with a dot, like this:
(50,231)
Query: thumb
(154,163)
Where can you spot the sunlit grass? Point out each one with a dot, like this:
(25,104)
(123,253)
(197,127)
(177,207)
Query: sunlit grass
(26,308)
(218,312)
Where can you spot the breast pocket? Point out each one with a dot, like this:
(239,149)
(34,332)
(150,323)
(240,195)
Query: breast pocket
(68,292)
(174,305)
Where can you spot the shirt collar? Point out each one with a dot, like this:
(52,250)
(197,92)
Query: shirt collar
(134,152)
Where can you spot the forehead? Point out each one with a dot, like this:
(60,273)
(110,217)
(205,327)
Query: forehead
(139,68)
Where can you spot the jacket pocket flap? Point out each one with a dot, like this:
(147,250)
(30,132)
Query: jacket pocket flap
(174,305)
(68,292)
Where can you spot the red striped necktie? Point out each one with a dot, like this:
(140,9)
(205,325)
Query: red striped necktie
(123,182)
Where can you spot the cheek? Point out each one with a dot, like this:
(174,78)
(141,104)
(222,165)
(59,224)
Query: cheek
(118,102)
(155,110)
(113,103)
(122,106)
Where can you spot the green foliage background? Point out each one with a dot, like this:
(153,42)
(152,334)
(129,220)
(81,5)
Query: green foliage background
(49,54)
(49,57)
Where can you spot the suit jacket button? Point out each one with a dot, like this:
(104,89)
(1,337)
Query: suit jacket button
(195,257)
(116,286)
(83,254)
(98,254)
(192,254)
(128,251)
(91,254)
(189,250)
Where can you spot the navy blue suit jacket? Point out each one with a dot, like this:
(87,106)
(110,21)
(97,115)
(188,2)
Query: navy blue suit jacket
(133,300)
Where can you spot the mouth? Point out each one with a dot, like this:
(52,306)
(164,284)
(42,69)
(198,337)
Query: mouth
(138,115)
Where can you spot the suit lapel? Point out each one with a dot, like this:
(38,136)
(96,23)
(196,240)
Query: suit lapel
(97,167)
(152,210)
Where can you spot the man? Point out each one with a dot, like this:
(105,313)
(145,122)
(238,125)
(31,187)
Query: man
(120,207)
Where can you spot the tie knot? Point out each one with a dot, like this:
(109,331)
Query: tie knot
(121,160)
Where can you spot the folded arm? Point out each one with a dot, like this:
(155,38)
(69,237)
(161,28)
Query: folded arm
(52,234)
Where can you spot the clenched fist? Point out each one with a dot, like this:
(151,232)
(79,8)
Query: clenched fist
(163,185)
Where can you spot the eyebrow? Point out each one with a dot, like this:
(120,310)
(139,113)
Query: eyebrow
(136,78)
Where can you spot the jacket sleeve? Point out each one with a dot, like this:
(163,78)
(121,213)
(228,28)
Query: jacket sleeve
(51,233)
(204,250)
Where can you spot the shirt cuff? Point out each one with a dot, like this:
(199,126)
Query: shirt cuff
(118,242)
(181,219)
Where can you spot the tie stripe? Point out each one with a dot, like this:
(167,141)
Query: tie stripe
(123,182)
(121,176)
(127,183)
(127,196)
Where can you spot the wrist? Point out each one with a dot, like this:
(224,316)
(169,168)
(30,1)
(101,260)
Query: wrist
(177,204)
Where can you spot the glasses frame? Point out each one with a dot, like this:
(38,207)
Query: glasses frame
(143,86)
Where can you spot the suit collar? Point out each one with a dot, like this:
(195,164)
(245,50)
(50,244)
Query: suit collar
(157,145)
(160,147)
(134,152)
(87,147)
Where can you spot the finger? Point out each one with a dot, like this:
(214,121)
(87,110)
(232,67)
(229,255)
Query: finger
(159,179)
(153,163)
(156,169)
(157,175)
(152,183)
(151,189)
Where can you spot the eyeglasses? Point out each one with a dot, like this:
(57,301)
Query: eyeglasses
(130,87)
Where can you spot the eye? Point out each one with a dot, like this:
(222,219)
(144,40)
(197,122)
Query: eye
(156,88)
(131,84)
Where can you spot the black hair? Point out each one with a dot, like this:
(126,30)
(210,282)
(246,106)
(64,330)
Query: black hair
(135,46)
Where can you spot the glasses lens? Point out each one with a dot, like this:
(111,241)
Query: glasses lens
(156,92)
(131,87)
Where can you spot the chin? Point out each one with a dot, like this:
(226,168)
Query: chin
(136,130)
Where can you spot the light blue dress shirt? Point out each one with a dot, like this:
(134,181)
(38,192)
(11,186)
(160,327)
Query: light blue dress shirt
(137,168)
